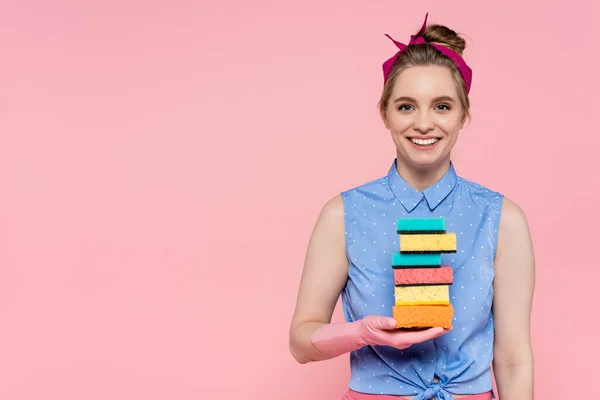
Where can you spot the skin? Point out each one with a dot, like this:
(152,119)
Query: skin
(513,295)
(424,103)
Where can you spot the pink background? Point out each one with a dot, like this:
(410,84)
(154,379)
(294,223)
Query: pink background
(162,164)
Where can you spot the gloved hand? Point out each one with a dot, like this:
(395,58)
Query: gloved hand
(340,338)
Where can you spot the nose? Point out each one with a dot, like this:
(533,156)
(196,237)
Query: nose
(423,122)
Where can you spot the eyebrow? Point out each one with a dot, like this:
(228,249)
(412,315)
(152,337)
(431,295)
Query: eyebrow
(435,100)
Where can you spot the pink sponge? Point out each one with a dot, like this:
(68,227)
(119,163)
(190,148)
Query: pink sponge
(423,276)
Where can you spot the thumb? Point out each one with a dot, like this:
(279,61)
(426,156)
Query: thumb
(381,322)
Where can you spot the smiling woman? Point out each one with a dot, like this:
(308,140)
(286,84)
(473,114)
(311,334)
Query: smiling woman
(426,88)
(424,104)
(424,119)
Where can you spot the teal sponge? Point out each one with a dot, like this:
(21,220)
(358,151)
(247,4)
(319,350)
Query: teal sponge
(420,225)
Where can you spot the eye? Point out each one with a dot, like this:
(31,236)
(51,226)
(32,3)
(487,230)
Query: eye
(443,107)
(404,107)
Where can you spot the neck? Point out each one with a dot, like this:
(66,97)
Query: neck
(421,178)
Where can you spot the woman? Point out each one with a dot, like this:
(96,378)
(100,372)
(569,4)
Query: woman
(424,104)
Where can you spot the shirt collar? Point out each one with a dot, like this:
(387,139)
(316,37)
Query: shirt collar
(410,197)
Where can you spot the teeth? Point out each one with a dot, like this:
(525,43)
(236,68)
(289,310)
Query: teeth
(422,142)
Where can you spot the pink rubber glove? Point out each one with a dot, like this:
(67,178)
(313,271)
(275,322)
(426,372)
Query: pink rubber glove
(340,338)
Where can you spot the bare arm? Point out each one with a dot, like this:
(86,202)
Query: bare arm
(312,335)
(513,296)
(323,278)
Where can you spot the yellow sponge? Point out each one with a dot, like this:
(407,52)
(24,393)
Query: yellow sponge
(428,243)
(422,295)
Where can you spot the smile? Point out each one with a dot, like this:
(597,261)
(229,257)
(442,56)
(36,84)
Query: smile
(424,142)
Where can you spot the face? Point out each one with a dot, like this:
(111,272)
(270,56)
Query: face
(424,116)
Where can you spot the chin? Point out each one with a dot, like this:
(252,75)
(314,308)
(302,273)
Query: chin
(424,165)
(423,161)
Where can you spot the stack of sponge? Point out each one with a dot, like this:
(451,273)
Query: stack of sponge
(422,283)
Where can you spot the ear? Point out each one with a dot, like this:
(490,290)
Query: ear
(384,119)
(463,120)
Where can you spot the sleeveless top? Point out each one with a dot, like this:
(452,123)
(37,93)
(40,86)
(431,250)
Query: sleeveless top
(461,358)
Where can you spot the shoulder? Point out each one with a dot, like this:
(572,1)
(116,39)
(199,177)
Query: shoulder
(513,232)
(512,219)
(508,216)
(372,187)
(477,189)
(511,212)
(481,197)
(333,209)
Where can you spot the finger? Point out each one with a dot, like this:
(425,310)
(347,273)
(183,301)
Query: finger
(421,336)
(384,323)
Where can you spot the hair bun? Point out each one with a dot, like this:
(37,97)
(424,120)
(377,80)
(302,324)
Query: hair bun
(446,37)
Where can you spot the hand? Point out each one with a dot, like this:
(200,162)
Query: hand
(379,330)
(336,339)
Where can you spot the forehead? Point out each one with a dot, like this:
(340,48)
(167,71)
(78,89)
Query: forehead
(422,82)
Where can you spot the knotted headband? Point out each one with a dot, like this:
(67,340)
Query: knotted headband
(463,68)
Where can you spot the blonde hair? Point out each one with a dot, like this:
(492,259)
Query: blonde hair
(425,54)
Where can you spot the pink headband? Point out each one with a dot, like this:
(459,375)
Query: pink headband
(464,69)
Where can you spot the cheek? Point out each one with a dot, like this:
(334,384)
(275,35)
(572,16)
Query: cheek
(450,125)
(399,124)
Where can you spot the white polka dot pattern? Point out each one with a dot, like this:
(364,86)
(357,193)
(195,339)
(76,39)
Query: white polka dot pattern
(461,357)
